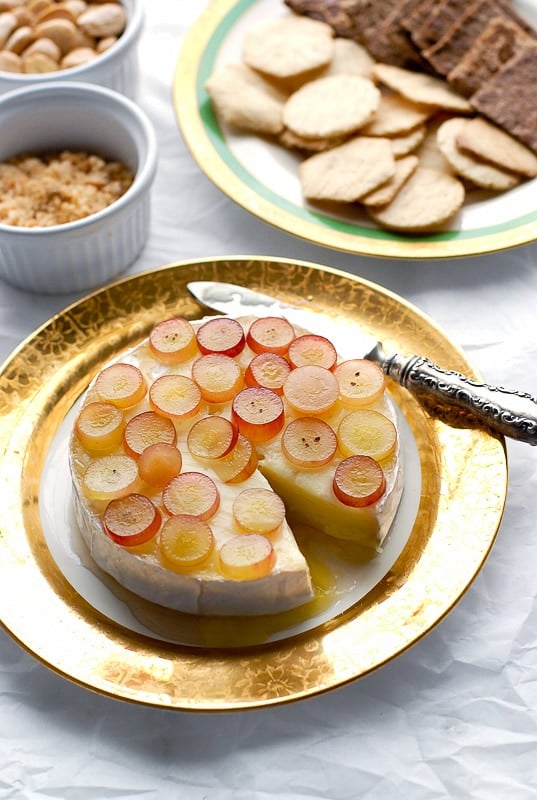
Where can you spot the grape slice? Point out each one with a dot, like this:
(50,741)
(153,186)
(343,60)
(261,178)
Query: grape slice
(173,341)
(273,334)
(175,396)
(186,542)
(110,476)
(217,376)
(269,370)
(361,382)
(121,384)
(369,433)
(311,390)
(309,442)
(191,493)
(212,437)
(258,510)
(237,465)
(359,481)
(248,556)
(99,427)
(221,335)
(159,463)
(145,429)
(312,349)
(258,413)
(131,520)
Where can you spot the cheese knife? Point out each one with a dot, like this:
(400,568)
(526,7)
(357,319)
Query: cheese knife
(509,412)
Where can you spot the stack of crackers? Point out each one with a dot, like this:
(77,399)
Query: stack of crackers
(484,48)
(391,137)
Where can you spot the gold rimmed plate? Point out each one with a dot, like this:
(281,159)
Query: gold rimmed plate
(262,177)
(48,603)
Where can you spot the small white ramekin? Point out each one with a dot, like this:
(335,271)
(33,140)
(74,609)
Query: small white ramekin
(117,68)
(89,252)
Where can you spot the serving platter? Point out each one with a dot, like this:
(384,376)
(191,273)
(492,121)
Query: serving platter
(51,602)
(262,177)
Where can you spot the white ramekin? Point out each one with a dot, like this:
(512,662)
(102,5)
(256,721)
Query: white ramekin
(117,68)
(89,252)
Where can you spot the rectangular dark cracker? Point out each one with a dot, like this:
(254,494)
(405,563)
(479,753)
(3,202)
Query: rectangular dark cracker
(417,15)
(509,97)
(400,37)
(370,21)
(339,14)
(437,22)
(497,44)
(448,51)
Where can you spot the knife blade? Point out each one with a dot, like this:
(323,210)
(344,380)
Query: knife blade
(509,412)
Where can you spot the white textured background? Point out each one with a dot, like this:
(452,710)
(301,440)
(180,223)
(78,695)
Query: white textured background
(454,717)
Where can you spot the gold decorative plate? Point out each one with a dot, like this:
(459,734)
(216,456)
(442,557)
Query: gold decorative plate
(460,500)
(263,177)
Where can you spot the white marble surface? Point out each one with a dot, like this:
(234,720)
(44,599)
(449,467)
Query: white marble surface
(456,715)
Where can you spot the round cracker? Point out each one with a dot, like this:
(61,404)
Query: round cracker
(243,99)
(407,143)
(486,141)
(294,142)
(421,88)
(288,46)
(426,201)
(346,173)
(481,174)
(331,106)
(395,116)
(404,168)
(349,58)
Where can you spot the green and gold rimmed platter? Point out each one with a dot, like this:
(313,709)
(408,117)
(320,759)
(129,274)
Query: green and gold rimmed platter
(58,606)
(262,177)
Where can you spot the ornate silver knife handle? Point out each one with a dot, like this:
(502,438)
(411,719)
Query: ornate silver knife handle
(511,413)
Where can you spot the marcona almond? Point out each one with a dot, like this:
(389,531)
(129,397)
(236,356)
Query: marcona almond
(78,56)
(39,62)
(55,12)
(61,31)
(8,23)
(108,19)
(75,6)
(20,39)
(46,46)
(10,62)
(105,43)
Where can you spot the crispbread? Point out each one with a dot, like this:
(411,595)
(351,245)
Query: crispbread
(348,172)
(243,99)
(404,168)
(486,141)
(487,176)
(509,97)
(437,19)
(420,88)
(426,201)
(396,116)
(399,35)
(498,43)
(452,46)
(288,46)
(339,14)
(331,106)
